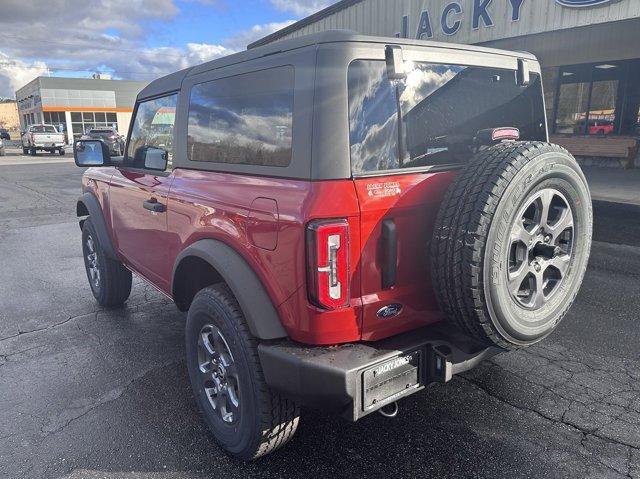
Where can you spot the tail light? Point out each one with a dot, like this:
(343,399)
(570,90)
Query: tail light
(328,263)
(499,134)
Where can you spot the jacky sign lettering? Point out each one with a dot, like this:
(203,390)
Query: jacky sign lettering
(451,18)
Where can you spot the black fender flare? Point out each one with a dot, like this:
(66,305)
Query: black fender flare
(92,206)
(259,311)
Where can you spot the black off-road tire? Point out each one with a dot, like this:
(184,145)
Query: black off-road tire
(267,420)
(474,233)
(114,282)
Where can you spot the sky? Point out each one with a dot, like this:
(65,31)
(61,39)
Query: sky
(131,39)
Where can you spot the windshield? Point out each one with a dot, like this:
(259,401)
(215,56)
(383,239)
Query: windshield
(43,129)
(433,115)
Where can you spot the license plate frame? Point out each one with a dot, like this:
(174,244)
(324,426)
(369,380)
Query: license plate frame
(391,379)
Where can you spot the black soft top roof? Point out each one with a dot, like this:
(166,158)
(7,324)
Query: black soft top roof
(173,81)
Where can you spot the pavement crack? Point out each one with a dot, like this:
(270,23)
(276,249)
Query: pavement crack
(588,431)
(107,398)
(46,328)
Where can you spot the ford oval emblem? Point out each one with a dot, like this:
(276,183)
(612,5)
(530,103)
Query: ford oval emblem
(584,3)
(389,311)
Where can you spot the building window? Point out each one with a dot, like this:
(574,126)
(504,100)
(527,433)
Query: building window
(87,120)
(57,119)
(602,110)
(598,99)
(572,107)
(549,84)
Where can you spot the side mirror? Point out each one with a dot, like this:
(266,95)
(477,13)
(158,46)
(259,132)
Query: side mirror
(155,159)
(91,153)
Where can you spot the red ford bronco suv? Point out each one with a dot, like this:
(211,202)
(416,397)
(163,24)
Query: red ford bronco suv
(346,220)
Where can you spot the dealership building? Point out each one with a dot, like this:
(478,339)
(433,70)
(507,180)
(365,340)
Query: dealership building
(75,105)
(589,51)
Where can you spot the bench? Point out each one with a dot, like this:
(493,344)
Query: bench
(620,147)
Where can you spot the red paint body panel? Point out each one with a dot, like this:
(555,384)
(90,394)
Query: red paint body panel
(411,201)
(265,219)
(205,204)
(141,235)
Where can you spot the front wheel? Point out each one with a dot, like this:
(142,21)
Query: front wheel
(110,281)
(246,418)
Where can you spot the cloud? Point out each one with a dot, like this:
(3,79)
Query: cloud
(79,37)
(244,38)
(15,74)
(301,7)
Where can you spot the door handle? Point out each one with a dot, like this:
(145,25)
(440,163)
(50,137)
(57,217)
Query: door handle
(153,205)
(389,238)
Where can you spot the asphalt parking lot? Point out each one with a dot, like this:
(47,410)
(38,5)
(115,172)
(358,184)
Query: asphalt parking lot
(87,392)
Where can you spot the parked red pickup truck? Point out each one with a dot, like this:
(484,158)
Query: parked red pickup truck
(346,220)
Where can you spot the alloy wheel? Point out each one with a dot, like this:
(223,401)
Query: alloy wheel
(219,374)
(541,248)
(92,262)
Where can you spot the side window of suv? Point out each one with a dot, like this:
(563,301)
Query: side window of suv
(245,119)
(152,130)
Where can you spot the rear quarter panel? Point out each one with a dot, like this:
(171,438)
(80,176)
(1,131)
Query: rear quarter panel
(205,204)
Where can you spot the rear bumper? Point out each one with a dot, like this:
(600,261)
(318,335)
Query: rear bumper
(357,379)
(48,146)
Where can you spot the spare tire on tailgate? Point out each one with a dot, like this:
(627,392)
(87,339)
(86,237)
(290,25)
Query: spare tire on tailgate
(511,243)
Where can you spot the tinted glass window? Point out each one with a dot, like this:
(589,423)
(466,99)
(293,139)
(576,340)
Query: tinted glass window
(152,129)
(43,129)
(246,119)
(436,112)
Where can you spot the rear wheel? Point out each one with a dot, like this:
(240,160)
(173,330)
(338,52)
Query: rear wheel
(110,281)
(511,243)
(61,151)
(246,418)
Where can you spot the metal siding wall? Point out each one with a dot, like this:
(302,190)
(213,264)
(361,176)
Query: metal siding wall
(384,18)
(126,91)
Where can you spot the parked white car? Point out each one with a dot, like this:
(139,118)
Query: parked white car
(42,138)
(2,150)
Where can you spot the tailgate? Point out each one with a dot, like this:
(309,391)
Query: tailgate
(48,138)
(397,217)
(408,136)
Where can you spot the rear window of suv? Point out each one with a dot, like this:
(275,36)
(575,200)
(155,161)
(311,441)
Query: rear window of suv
(43,129)
(245,119)
(431,117)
